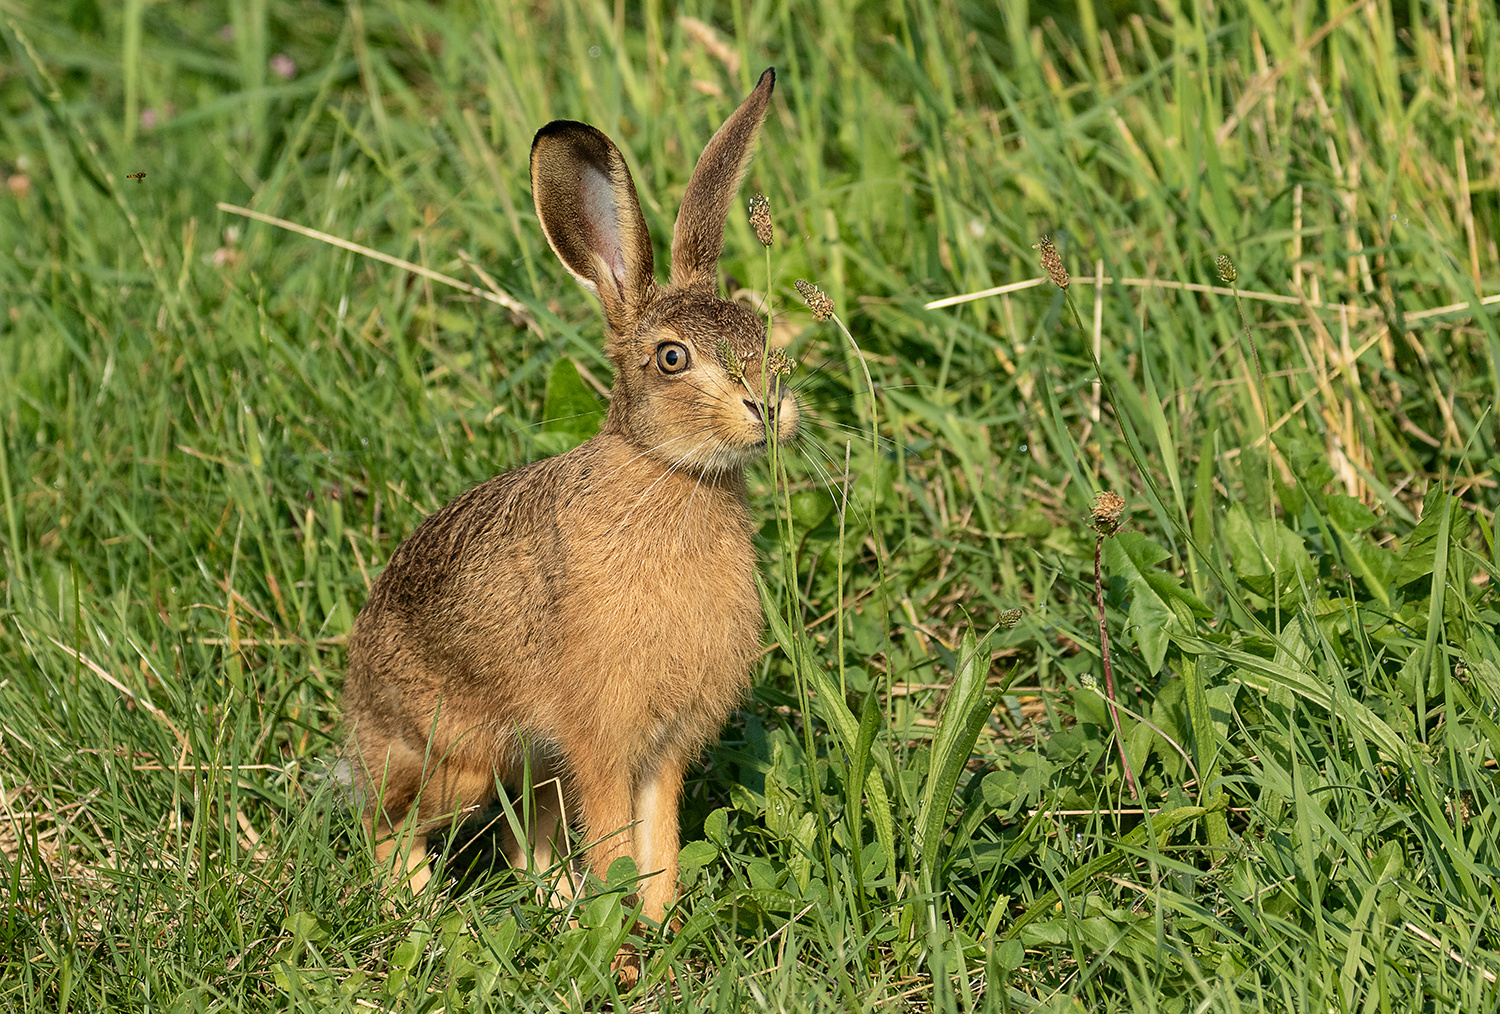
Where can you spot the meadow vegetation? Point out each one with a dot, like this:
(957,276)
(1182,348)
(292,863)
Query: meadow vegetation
(216,430)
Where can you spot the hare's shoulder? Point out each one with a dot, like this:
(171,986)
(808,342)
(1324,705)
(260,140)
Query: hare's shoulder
(516,507)
(526,494)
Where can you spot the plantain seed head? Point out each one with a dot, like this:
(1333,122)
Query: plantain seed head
(760,219)
(1105,517)
(817,300)
(1052,263)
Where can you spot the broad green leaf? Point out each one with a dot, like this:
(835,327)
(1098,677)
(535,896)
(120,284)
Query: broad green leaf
(964,713)
(1258,546)
(571,407)
(1134,557)
(1348,513)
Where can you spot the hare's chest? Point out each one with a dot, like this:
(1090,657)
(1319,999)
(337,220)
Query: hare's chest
(679,614)
(673,597)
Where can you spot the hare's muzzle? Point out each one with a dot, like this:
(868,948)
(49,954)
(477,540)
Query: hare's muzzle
(777,414)
(764,412)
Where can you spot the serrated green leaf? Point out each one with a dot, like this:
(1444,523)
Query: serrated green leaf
(1348,513)
(1133,557)
(1421,547)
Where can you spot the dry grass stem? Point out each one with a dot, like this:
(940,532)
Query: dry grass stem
(1218,290)
(1104,519)
(498,296)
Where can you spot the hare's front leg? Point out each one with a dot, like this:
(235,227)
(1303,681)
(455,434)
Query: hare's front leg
(602,787)
(656,795)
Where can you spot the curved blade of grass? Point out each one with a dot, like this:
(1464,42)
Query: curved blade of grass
(1160,824)
(1261,673)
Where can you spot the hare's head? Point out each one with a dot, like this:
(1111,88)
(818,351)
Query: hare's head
(695,385)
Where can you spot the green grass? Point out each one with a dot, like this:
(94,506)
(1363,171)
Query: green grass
(215,431)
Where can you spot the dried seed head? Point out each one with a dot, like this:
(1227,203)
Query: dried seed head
(1052,263)
(1227,273)
(1105,517)
(730,359)
(760,219)
(1009,618)
(778,363)
(817,300)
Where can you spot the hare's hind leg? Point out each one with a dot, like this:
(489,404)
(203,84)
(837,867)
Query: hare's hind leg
(543,838)
(406,799)
(390,778)
(656,796)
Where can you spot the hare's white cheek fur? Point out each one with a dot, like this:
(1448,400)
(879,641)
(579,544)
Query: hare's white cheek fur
(591,618)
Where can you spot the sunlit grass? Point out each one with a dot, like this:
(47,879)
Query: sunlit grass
(215,431)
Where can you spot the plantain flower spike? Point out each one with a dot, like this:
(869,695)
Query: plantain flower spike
(779,363)
(1227,273)
(730,359)
(817,300)
(1052,263)
(760,219)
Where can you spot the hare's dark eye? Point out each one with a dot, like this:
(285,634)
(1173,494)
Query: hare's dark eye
(672,357)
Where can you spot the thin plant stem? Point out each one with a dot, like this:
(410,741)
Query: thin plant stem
(1228,275)
(1109,672)
(869,384)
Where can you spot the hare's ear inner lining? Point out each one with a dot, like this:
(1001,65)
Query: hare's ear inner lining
(698,235)
(586,202)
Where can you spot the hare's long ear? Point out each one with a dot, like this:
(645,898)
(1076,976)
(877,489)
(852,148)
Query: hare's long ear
(586,201)
(699,234)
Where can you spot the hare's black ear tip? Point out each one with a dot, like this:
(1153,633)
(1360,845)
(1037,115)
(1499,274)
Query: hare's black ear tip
(767,78)
(552,129)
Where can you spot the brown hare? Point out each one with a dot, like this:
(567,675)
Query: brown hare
(591,617)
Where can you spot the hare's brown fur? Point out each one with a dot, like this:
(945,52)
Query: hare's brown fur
(592,616)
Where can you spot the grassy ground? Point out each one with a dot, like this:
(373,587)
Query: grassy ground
(215,430)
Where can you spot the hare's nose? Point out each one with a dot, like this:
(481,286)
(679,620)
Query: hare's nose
(765,413)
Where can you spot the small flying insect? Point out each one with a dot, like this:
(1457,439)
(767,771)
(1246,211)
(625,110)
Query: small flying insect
(135,176)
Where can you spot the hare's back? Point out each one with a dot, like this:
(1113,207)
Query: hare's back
(492,555)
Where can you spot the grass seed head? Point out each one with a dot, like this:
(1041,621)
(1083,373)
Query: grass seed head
(1108,509)
(1052,263)
(760,219)
(1227,273)
(817,300)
